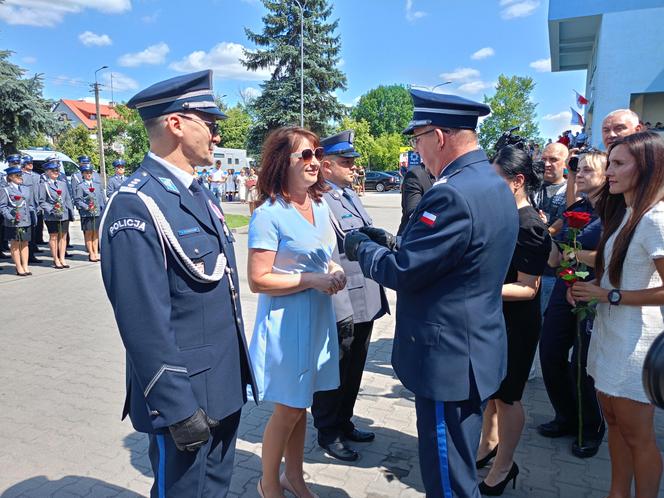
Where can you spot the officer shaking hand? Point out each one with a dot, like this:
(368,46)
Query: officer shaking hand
(448,269)
(169,271)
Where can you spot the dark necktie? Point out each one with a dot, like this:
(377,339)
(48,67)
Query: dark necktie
(199,196)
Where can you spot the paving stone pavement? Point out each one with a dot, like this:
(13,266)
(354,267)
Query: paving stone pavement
(62,388)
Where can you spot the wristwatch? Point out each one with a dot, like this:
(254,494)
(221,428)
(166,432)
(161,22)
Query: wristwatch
(615,296)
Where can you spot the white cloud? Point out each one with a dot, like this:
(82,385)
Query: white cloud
(121,82)
(483,53)
(461,75)
(561,116)
(251,93)
(67,80)
(512,9)
(88,38)
(413,15)
(52,12)
(154,54)
(553,125)
(28,59)
(152,18)
(473,87)
(541,65)
(224,58)
(91,100)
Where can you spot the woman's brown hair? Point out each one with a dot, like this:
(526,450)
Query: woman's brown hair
(275,161)
(647,149)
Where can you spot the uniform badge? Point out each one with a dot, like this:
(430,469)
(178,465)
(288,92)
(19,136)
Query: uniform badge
(126,224)
(428,219)
(219,215)
(168,183)
(188,231)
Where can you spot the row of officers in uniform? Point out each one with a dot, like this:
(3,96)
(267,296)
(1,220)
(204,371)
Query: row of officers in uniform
(28,201)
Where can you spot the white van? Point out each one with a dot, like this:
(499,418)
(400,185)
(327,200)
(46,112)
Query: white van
(39,155)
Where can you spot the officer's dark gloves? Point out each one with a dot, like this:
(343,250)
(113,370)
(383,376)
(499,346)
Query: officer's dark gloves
(380,236)
(352,241)
(193,432)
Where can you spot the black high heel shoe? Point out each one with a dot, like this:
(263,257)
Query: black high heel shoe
(481,463)
(499,488)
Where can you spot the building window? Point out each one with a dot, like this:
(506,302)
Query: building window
(230,160)
(237,161)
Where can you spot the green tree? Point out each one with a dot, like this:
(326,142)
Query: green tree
(78,142)
(235,130)
(385,152)
(511,106)
(23,110)
(279,51)
(387,109)
(363,142)
(128,131)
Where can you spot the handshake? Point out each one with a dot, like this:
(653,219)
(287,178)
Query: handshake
(352,240)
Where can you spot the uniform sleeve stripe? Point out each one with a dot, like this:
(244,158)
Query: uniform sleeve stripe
(164,368)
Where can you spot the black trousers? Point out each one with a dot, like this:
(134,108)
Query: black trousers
(333,410)
(205,473)
(561,376)
(39,230)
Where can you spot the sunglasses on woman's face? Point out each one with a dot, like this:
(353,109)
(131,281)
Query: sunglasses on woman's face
(308,154)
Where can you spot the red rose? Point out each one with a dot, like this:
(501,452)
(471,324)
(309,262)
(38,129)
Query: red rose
(91,189)
(568,276)
(577,219)
(17,198)
(58,191)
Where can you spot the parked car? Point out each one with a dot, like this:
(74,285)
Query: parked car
(39,156)
(381,181)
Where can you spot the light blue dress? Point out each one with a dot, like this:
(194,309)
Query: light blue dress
(294,349)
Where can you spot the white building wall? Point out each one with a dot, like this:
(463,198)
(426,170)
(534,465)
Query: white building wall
(630,60)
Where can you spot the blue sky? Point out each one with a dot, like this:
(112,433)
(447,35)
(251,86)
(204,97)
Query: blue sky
(422,42)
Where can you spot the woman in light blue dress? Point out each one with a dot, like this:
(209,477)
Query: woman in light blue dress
(294,348)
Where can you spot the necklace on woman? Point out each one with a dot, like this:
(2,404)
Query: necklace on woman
(304,206)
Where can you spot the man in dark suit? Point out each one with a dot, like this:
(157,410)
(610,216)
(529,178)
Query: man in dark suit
(169,270)
(415,184)
(448,268)
(357,306)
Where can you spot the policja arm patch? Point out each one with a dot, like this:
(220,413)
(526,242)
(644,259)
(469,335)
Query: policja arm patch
(126,224)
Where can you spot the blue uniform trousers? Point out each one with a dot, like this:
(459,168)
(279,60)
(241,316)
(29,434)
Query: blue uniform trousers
(205,473)
(448,437)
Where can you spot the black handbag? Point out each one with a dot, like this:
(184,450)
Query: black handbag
(653,372)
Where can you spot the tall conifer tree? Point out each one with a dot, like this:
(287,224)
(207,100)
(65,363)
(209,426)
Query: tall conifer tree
(279,49)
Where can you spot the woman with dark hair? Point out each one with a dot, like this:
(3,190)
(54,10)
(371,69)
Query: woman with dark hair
(630,295)
(503,416)
(294,346)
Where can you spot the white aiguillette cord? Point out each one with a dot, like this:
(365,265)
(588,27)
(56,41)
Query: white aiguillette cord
(188,265)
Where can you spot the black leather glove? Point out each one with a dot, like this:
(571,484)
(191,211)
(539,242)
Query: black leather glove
(193,432)
(352,241)
(380,236)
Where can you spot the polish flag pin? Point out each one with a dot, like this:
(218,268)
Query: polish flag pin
(428,219)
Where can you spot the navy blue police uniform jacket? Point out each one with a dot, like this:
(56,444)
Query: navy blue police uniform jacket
(448,272)
(83,198)
(184,338)
(114,184)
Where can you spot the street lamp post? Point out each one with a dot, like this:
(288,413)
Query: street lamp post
(100,134)
(440,84)
(301,60)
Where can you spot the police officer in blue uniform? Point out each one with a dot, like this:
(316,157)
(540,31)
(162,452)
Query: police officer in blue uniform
(356,306)
(77,178)
(448,269)
(17,211)
(176,298)
(31,180)
(115,182)
(90,201)
(13,160)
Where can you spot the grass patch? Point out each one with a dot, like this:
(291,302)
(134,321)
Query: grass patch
(236,220)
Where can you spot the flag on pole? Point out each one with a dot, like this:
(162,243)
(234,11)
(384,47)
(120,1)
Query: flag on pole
(577,119)
(580,100)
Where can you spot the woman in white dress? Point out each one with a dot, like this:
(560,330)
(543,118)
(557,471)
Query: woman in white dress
(630,309)
(241,184)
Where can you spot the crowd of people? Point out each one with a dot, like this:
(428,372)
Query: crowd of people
(493,259)
(29,201)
